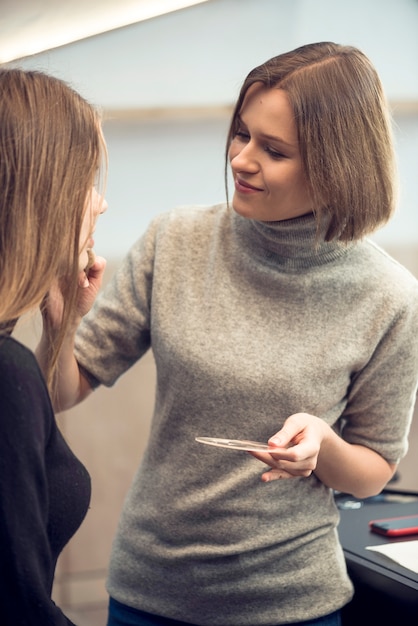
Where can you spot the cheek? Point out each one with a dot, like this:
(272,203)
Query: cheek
(85,229)
(287,179)
(305,191)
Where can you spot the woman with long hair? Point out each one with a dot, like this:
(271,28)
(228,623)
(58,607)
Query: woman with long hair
(51,154)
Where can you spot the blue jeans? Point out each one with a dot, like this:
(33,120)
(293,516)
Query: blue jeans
(122,615)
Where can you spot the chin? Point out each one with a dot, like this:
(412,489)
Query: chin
(243,210)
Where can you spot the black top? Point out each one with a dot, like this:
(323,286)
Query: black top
(44,492)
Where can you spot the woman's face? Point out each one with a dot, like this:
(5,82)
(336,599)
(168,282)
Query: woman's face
(96,205)
(265,159)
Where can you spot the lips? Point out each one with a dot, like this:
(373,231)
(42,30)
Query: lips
(244,187)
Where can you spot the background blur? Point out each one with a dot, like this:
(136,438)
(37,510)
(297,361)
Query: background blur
(166,86)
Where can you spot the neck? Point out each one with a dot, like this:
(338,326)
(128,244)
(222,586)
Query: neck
(293,243)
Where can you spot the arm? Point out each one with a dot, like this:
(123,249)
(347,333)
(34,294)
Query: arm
(375,421)
(307,444)
(71,387)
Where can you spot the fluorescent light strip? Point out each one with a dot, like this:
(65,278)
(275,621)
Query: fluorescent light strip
(50,29)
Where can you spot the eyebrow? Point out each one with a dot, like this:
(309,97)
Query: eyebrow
(270,137)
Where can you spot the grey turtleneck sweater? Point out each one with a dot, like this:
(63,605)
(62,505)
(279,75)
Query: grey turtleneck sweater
(249,322)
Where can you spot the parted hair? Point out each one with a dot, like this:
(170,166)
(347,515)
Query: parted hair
(344,130)
(51,149)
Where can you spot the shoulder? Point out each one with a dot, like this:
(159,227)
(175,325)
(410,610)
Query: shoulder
(21,381)
(390,292)
(389,275)
(14,355)
(186,218)
(183,226)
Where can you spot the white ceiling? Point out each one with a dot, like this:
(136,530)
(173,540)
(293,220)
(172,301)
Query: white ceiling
(28,27)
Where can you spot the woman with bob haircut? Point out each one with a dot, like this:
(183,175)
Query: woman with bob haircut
(51,151)
(272,318)
(333,90)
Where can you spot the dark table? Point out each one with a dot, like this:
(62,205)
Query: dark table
(386,594)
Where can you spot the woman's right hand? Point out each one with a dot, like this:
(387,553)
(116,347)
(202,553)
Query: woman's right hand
(89,285)
(71,387)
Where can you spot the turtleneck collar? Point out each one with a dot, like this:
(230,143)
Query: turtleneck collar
(292,243)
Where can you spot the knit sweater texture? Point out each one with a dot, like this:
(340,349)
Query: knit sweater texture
(44,492)
(249,322)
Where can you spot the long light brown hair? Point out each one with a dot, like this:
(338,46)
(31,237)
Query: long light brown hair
(51,149)
(344,130)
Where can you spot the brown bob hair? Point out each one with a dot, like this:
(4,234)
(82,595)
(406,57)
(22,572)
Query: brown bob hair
(344,131)
(51,150)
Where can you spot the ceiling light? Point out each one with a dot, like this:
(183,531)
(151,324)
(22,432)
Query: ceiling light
(34,26)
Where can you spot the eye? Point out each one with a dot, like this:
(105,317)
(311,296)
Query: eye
(274,153)
(242,134)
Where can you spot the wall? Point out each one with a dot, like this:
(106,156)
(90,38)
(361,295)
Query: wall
(166,83)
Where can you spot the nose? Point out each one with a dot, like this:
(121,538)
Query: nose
(243,158)
(99,202)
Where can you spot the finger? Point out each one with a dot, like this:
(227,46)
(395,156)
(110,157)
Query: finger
(98,266)
(275,474)
(279,473)
(294,467)
(295,454)
(93,274)
(285,437)
(83,280)
(91,255)
(293,427)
